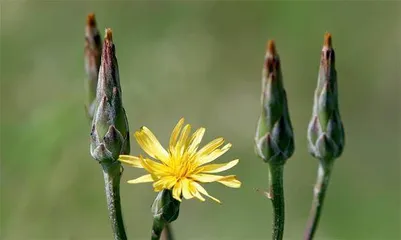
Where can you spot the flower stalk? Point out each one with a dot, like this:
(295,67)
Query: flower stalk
(274,140)
(112,174)
(167,233)
(326,138)
(319,193)
(110,133)
(276,195)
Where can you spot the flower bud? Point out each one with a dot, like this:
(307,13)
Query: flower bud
(274,140)
(93,50)
(326,136)
(110,132)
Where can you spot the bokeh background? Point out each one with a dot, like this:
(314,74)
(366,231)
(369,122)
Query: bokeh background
(200,60)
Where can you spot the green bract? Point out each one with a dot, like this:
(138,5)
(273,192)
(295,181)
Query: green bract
(165,209)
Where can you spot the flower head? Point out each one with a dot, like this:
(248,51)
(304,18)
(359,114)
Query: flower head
(182,166)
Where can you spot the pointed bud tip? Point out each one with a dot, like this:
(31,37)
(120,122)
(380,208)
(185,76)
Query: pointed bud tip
(90,20)
(108,34)
(271,47)
(327,40)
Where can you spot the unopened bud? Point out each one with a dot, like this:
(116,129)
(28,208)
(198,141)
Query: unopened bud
(110,132)
(326,136)
(274,140)
(93,50)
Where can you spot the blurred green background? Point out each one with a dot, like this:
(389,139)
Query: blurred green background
(200,60)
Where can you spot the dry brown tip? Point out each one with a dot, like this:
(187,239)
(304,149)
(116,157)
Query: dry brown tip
(108,34)
(90,20)
(327,40)
(271,47)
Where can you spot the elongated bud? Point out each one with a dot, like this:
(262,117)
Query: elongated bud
(110,132)
(326,136)
(165,209)
(274,140)
(93,50)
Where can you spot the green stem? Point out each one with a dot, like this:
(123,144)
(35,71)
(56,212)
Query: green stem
(167,233)
(276,195)
(322,182)
(157,229)
(112,174)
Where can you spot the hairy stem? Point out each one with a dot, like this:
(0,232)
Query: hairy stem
(112,174)
(322,182)
(276,195)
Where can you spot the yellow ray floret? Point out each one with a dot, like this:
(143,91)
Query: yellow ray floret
(182,166)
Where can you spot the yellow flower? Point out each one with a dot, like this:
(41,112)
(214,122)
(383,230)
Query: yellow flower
(182,167)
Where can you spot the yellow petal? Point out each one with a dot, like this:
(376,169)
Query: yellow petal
(206,178)
(158,185)
(195,191)
(215,168)
(170,181)
(164,183)
(210,147)
(183,140)
(203,191)
(131,160)
(177,191)
(174,134)
(230,181)
(195,140)
(207,158)
(186,193)
(154,168)
(142,179)
(151,145)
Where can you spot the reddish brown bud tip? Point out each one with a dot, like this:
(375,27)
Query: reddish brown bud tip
(108,35)
(327,40)
(271,47)
(90,20)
